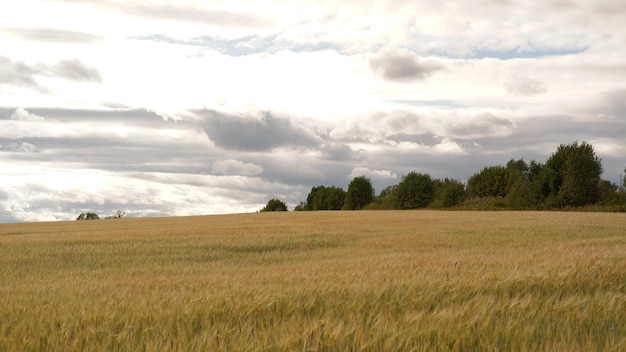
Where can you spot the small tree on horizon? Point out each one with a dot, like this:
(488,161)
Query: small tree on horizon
(119,214)
(275,205)
(88,216)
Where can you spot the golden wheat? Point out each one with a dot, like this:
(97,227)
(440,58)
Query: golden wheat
(317,281)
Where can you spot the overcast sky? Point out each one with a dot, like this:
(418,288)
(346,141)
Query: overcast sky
(206,107)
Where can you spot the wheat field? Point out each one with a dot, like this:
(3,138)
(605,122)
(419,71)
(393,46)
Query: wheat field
(317,281)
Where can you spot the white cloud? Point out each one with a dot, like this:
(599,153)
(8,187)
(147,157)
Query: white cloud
(372,174)
(524,85)
(448,146)
(236,167)
(23,115)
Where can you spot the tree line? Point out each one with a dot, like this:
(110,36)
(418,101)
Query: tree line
(570,178)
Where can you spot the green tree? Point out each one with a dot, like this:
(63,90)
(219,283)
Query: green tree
(335,198)
(489,182)
(416,190)
(448,192)
(311,198)
(360,193)
(88,216)
(571,176)
(275,205)
(385,198)
(517,183)
(522,188)
(608,192)
(325,198)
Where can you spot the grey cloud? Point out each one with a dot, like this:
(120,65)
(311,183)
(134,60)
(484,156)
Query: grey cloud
(23,147)
(523,85)
(481,125)
(236,167)
(114,153)
(403,66)
(75,70)
(136,117)
(377,126)
(253,134)
(7,217)
(400,121)
(606,108)
(99,146)
(305,170)
(18,73)
(339,151)
(51,35)
(615,103)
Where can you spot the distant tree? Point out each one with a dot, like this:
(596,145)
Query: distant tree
(534,170)
(311,198)
(387,192)
(300,207)
(275,205)
(522,195)
(522,184)
(608,192)
(325,198)
(335,198)
(385,198)
(448,192)
(517,182)
(489,182)
(416,190)
(88,216)
(360,193)
(571,176)
(119,214)
(518,167)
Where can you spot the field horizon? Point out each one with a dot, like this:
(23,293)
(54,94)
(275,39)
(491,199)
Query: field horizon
(317,281)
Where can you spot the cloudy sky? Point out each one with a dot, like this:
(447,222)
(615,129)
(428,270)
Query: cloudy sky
(206,107)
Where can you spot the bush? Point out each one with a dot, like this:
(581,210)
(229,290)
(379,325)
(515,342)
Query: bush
(275,205)
(88,216)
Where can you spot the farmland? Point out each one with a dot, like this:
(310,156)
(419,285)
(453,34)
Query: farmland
(317,281)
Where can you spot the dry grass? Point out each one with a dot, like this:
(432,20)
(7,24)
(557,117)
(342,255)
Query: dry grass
(317,281)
